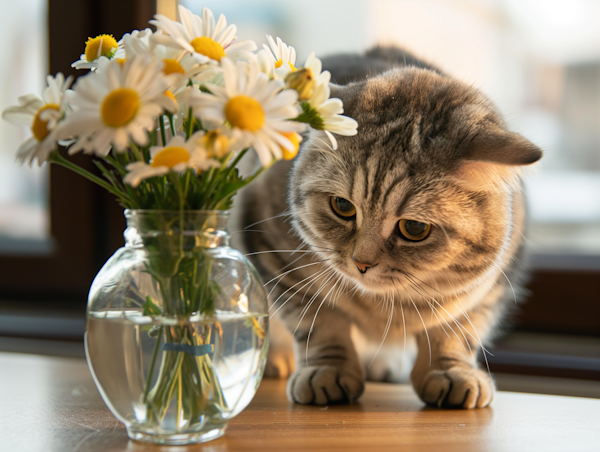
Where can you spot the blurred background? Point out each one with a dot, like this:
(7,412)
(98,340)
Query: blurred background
(538,60)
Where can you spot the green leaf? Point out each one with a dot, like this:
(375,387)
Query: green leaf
(150,308)
(310,116)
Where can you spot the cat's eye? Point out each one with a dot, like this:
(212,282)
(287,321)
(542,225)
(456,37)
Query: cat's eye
(414,231)
(342,207)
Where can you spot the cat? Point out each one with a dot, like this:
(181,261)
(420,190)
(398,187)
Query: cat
(410,232)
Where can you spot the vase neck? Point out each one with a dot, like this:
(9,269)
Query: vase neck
(193,228)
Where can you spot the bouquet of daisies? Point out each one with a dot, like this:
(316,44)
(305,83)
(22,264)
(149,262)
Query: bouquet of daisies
(169,114)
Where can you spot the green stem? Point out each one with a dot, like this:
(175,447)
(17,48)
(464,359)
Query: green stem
(136,151)
(152,364)
(190,123)
(161,123)
(227,196)
(59,160)
(230,169)
(171,123)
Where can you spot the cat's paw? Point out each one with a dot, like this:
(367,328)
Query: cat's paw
(323,385)
(457,387)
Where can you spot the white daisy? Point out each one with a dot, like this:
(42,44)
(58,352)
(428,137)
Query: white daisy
(41,115)
(284,56)
(102,46)
(328,109)
(315,66)
(256,109)
(330,112)
(208,40)
(177,156)
(263,62)
(179,66)
(118,102)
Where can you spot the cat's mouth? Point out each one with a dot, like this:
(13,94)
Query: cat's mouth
(371,278)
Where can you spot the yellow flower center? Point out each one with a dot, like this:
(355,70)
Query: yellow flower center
(216,144)
(170,157)
(120,107)
(102,45)
(172,67)
(244,112)
(295,139)
(121,61)
(278,64)
(39,126)
(208,47)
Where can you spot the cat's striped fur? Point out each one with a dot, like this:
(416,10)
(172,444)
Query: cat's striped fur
(429,148)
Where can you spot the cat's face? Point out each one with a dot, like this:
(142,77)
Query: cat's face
(421,195)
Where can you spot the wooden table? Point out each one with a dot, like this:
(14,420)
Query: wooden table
(51,404)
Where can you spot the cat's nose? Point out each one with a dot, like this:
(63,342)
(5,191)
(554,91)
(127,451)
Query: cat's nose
(363,267)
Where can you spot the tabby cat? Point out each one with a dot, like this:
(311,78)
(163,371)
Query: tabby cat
(409,233)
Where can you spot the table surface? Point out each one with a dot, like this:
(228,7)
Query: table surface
(51,404)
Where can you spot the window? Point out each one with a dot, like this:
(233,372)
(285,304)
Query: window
(81,217)
(24,217)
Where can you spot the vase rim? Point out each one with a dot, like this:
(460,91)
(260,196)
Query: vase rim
(185,212)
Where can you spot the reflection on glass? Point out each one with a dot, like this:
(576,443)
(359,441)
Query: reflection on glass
(24,221)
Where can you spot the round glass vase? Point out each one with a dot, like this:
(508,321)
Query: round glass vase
(177,327)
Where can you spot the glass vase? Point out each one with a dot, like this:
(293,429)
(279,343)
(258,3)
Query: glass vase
(177,327)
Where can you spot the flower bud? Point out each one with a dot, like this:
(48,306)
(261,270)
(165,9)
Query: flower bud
(302,81)
(216,143)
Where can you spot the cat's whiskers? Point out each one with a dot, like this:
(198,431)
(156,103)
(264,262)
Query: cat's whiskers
(438,316)
(329,151)
(422,282)
(404,330)
(279,215)
(464,313)
(290,288)
(416,309)
(283,275)
(388,324)
(289,264)
(463,328)
(445,233)
(311,301)
(312,280)
(436,312)
(494,264)
(342,289)
(288,251)
(312,325)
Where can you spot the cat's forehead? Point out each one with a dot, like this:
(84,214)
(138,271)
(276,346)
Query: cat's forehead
(412,90)
(410,107)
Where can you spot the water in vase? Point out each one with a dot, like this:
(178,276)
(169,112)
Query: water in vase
(181,375)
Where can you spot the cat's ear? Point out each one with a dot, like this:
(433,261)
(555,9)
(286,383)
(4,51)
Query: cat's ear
(500,146)
(491,159)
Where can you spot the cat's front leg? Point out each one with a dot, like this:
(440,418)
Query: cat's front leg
(450,377)
(327,366)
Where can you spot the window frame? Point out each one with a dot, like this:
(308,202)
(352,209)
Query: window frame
(82,214)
